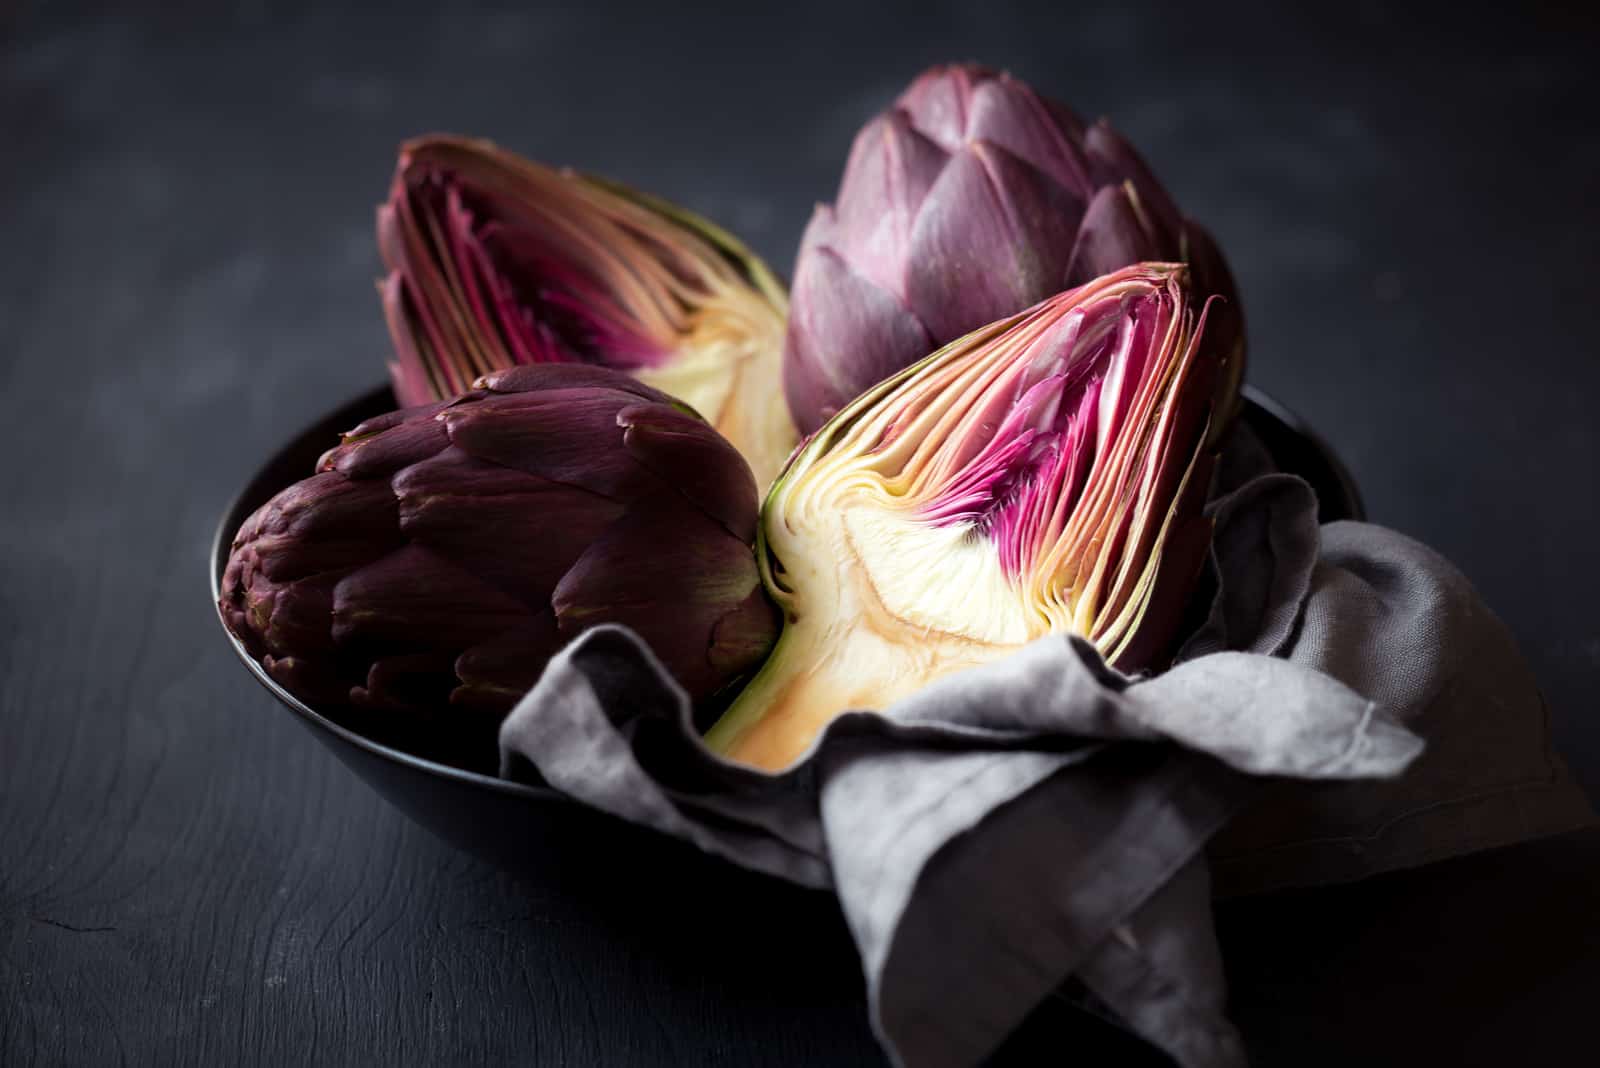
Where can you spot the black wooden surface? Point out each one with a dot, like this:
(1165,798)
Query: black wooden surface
(186,270)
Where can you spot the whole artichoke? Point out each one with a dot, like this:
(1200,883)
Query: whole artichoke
(442,553)
(496,261)
(1043,474)
(970,199)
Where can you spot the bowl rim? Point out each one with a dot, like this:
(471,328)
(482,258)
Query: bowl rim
(231,518)
(1336,465)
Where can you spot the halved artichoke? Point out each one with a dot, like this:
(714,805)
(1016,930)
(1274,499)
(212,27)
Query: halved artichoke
(497,261)
(1045,473)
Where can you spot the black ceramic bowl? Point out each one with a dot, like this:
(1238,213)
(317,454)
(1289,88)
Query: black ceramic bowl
(518,826)
(703,911)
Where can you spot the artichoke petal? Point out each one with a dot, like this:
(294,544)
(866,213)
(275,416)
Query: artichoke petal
(841,309)
(705,574)
(939,100)
(891,168)
(562,435)
(993,237)
(1114,232)
(1113,161)
(1007,113)
(705,469)
(495,673)
(417,599)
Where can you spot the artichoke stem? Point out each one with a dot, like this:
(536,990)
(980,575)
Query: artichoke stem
(818,670)
(773,720)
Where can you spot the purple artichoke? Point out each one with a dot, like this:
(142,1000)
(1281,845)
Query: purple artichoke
(496,261)
(970,199)
(442,553)
(1044,474)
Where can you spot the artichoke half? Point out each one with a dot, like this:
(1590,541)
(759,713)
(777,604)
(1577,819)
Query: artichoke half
(496,261)
(441,554)
(1043,474)
(971,198)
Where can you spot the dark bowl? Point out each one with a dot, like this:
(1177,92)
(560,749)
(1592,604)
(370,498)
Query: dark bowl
(515,825)
(599,861)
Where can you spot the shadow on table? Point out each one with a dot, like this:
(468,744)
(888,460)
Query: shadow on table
(1489,959)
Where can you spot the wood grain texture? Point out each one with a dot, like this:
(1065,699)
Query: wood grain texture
(186,877)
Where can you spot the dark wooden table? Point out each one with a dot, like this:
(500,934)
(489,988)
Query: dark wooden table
(186,877)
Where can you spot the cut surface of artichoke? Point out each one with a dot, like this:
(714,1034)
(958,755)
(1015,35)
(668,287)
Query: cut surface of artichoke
(496,261)
(726,367)
(1042,475)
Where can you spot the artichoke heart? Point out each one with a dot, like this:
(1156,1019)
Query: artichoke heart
(1043,474)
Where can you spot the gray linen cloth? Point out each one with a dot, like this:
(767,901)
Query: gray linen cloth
(1045,817)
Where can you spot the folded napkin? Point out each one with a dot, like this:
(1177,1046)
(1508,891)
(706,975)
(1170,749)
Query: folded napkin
(1044,818)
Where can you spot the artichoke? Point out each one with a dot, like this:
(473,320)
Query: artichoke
(496,261)
(442,553)
(970,199)
(1044,474)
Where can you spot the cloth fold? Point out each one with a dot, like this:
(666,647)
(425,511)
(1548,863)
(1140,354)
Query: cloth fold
(1044,816)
